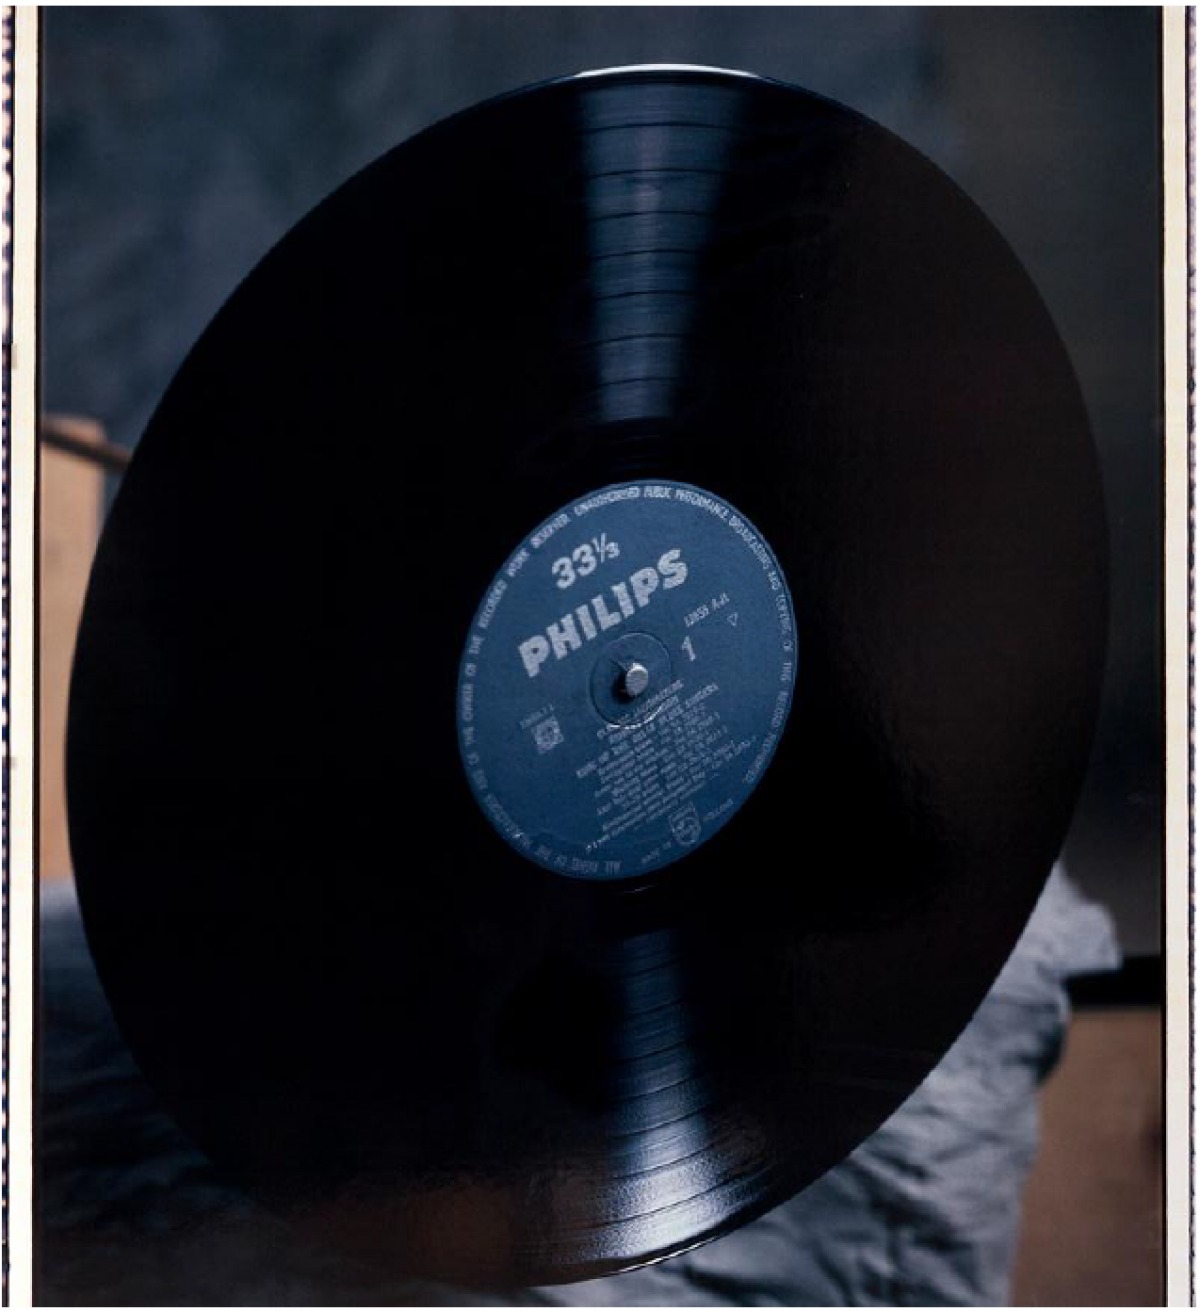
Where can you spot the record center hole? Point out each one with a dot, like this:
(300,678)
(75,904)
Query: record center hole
(629,679)
(634,680)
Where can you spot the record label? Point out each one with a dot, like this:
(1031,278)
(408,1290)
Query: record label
(626,680)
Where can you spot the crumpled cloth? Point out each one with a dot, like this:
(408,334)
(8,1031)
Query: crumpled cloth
(926,1212)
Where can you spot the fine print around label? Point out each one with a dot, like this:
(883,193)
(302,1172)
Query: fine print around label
(626,680)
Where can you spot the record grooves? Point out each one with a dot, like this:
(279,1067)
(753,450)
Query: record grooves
(564,772)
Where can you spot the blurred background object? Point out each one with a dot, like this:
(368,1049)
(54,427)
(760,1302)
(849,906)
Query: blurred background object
(181,144)
(74,459)
(1092,1223)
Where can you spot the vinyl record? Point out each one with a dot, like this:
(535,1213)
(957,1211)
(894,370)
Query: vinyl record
(586,675)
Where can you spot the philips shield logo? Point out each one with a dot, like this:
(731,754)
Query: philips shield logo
(685,826)
(586,622)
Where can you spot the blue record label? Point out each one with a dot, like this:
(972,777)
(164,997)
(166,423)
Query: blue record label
(626,680)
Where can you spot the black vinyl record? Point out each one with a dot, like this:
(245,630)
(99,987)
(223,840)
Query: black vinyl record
(366,954)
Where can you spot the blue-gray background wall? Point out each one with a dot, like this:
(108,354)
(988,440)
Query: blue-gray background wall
(181,143)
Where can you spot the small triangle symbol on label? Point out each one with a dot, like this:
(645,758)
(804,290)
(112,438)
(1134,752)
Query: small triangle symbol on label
(733,618)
